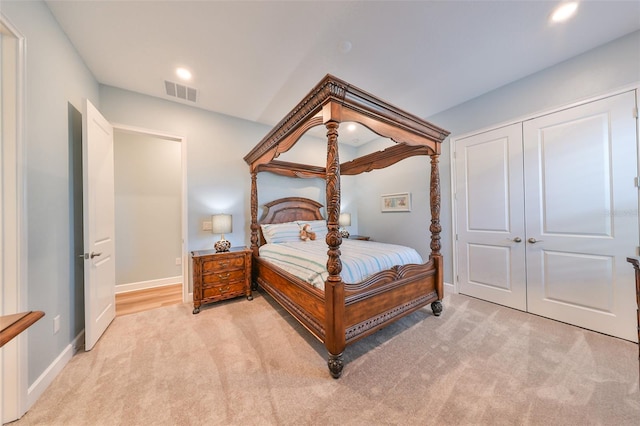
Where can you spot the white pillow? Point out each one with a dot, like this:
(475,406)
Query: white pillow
(317,226)
(281,232)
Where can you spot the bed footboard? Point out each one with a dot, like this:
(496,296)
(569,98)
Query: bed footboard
(388,296)
(368,306)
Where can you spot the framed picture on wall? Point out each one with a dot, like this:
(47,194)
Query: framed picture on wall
(400,202)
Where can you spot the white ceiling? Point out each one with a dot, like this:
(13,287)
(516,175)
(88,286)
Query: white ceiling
(257,59)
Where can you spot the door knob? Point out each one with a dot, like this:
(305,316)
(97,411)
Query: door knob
(533,240)
(93,254)
(517,240)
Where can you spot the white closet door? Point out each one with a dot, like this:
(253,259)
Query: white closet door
(581,214)
(490,216)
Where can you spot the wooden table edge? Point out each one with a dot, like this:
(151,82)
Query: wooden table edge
(16,326)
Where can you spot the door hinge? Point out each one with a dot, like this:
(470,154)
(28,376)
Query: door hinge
(637,251)
(635,112)
(456,237)
(636,182)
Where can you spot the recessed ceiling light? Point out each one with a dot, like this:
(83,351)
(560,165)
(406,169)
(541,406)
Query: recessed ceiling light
(564,11)
(351,127)
(183,73)
(344,46)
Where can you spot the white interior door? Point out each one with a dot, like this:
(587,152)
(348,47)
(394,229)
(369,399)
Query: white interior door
(582,218)
(490,216)
(99,224)
(564,186)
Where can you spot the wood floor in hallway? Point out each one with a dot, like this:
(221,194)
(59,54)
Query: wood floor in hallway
(150,298)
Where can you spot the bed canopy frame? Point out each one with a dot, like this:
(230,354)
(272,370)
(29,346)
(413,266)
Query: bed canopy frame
(331,102)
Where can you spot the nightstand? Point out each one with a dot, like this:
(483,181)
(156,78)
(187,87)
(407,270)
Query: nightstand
(220,276)
(359,237)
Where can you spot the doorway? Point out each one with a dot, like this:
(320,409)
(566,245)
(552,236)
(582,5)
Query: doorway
(150,192)
(99,206)
(546,214)
(13,247)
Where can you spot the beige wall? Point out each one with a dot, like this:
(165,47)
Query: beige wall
(148,181)
(55,77)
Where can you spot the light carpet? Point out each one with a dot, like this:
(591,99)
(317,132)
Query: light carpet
(249,363)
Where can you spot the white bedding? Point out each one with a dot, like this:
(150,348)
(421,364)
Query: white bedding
(307,260)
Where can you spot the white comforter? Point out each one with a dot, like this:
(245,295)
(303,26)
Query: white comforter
(307,260)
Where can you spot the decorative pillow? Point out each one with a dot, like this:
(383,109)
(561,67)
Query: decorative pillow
(281,232)
(317,226)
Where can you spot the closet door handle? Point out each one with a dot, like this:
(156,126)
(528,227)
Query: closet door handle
(93,254)
(533,240)
(517,240)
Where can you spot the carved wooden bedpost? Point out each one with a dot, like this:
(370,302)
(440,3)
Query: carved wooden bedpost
(254,213)
(435,229)
(434,197)
(335,339)
(255,243)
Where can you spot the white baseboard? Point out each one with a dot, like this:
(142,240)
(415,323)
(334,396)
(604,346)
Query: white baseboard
(141,285)
(46,378)
(449,288)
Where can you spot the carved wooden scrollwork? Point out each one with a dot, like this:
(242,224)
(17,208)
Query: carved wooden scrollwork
(435,227)
(254,212)
(334,239)
(357,105)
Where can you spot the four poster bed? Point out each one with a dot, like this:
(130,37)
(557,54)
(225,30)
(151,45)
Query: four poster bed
(342,312)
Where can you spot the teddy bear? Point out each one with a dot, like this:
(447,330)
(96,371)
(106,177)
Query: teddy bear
(306,233)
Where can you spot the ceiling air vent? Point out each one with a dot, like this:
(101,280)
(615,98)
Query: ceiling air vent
(180,91)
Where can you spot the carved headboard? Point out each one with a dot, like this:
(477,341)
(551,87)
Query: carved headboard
(288,210)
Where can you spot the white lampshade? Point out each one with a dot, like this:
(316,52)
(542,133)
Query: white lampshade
(221,224)
(344,219)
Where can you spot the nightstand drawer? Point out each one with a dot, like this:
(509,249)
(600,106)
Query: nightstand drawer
(222,277)
(224,291)
(220,265)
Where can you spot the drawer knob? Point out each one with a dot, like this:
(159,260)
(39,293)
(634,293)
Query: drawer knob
(224,289)
(224,276)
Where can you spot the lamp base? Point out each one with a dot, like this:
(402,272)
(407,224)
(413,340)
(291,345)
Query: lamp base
(222,245)
(344,233)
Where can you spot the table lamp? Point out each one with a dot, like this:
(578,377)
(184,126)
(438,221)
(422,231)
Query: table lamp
(221,224)
(344,220)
